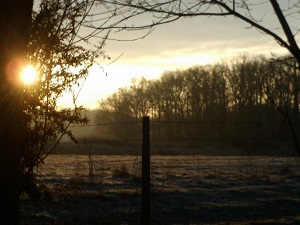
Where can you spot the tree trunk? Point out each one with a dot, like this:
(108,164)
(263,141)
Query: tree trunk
(15,18)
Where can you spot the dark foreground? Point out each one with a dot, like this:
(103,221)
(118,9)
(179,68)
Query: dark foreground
(185,190)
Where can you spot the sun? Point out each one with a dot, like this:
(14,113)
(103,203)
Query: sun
(29,74)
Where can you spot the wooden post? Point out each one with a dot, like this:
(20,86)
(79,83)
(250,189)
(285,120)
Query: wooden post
(146,196)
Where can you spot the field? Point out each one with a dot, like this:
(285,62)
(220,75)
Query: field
(185,190)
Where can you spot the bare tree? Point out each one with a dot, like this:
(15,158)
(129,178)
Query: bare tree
(127,14)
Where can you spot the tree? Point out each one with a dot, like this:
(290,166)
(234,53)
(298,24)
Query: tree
(62,64)
(222,102)
(30,117)
(126,14)
(15,18)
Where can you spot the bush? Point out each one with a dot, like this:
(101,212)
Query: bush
(121,172)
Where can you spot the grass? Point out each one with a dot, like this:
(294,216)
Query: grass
(185,190)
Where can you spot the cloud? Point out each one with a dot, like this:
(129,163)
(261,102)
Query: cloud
(216,37)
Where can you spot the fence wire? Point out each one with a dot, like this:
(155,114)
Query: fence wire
(106,174)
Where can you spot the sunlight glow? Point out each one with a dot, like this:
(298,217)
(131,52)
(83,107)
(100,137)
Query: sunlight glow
(102,82)
(29,74)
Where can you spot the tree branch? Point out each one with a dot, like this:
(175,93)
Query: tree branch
(294,49)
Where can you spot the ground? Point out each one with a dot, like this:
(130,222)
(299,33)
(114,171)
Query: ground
(184,190)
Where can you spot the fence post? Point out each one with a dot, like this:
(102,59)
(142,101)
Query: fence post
(146,196)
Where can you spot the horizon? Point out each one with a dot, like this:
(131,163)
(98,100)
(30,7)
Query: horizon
(103,82)
(177,45)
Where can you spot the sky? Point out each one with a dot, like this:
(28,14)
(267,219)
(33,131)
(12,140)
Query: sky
(178,45)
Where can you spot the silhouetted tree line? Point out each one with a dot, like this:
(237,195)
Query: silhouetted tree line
(235,100)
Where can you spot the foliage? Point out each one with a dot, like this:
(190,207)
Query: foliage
(63,63)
